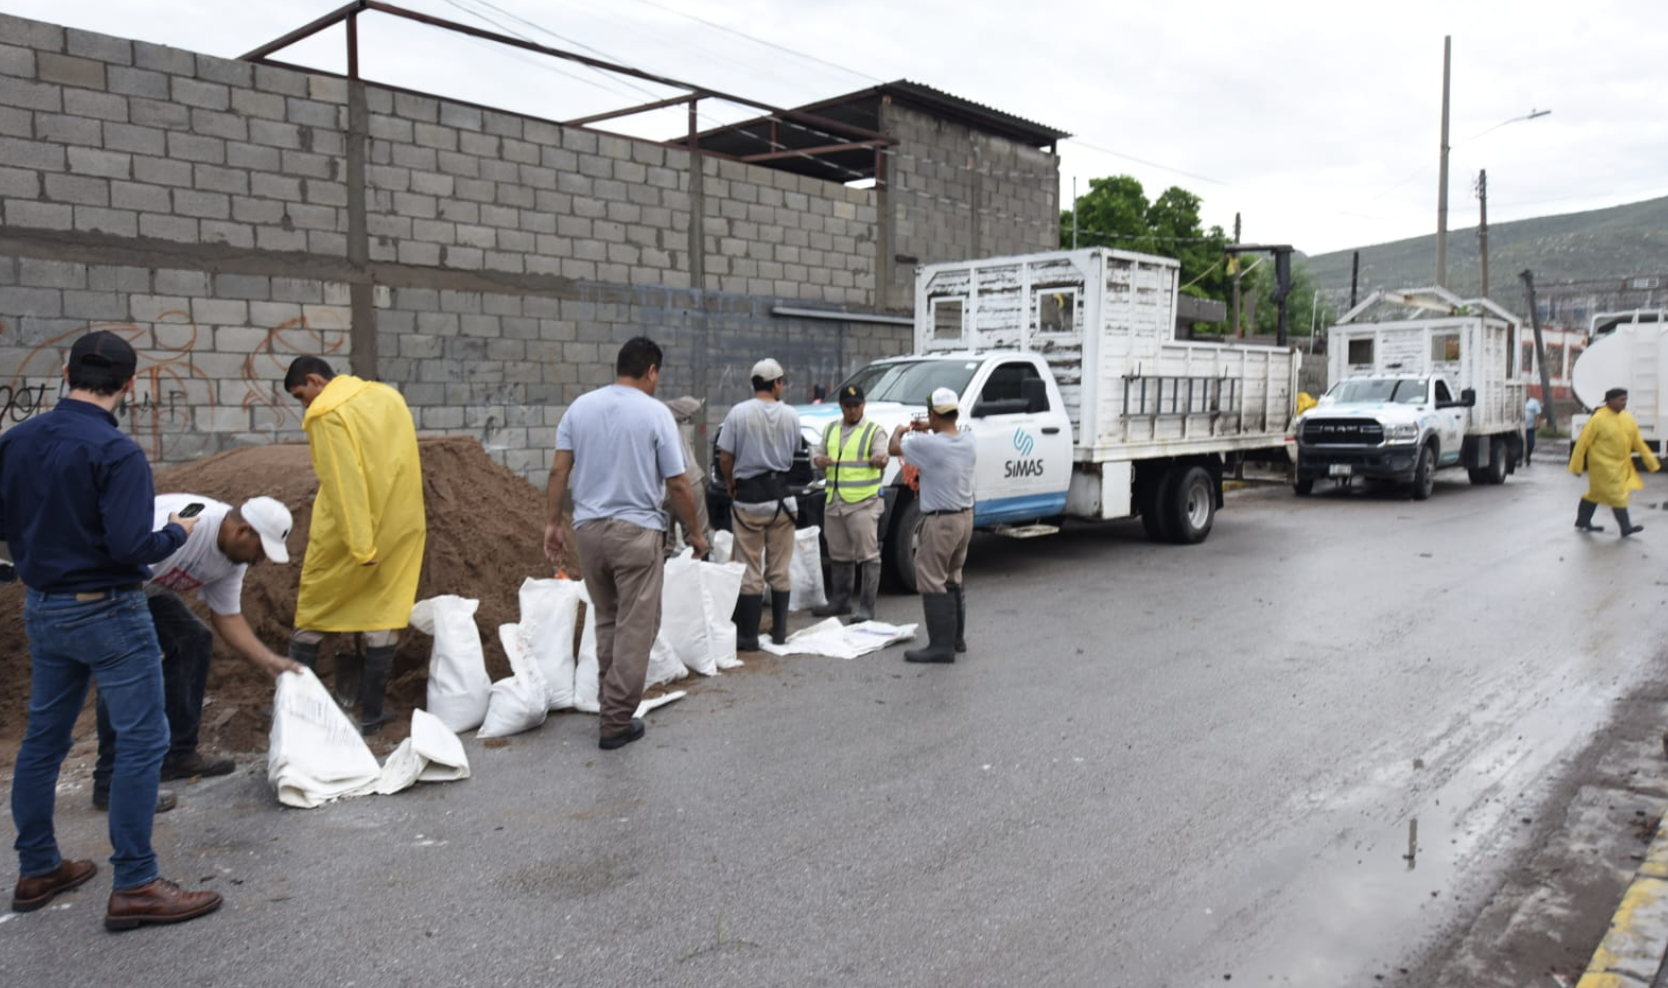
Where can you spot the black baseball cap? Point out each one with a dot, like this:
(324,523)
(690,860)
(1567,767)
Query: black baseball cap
(851,394)
(105,351)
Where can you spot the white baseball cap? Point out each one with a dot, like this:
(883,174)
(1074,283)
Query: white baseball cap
(767,370)
(944,401)
(268,517)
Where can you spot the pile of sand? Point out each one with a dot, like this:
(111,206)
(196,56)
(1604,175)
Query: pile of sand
(485,535)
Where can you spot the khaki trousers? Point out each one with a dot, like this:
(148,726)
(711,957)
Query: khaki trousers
(624,570)
(765,543)
(941,550)
(853,530)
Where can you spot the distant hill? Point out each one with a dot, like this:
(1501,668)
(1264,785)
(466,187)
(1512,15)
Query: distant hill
(1617,257)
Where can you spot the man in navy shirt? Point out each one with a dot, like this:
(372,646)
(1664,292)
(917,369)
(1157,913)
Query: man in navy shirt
(75,509)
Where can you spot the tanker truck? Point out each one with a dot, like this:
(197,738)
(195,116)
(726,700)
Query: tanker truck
(1625,350)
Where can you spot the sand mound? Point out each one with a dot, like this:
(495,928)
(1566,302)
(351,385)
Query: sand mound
(486,534)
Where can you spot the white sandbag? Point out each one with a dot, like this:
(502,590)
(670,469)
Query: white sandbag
(458,680)
(549,614)
(316,753)
(586,686)
(664,664)
(723,586)
(519,702)
(805,570)
(432,753)
(722,547)
(842,641)
(684,612)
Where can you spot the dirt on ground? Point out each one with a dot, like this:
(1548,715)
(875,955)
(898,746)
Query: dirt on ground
(485,536)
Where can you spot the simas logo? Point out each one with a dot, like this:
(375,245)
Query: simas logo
(1024,443)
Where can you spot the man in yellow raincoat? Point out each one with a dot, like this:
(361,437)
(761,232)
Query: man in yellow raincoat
(1605,453)
(365,544)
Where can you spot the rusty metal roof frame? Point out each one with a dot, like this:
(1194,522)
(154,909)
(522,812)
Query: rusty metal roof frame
(845,138)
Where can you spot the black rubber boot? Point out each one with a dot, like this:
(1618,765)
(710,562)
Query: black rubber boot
(869,577)
(1622,522)
(306,653)
(779,600)
(379,662)
(940,618)
(1584,516)
(839,594)
(748,609)
(959,592)
(350,670)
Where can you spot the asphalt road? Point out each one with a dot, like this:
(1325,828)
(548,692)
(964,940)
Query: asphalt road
(1157,766)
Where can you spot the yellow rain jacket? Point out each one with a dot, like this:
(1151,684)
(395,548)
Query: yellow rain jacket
(369,509)
(1605,450)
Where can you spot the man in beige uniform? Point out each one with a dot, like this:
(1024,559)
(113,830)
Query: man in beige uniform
(946,457)
(853,454)
(756,445)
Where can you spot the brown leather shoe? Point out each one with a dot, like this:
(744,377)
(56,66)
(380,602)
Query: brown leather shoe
(159,902)
(33,893)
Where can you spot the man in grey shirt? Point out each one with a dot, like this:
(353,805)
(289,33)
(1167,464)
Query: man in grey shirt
(946,458)
(756,445)
(622,450)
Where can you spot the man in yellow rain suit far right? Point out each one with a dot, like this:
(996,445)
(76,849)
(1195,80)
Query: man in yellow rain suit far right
(365,544)
(1605,453)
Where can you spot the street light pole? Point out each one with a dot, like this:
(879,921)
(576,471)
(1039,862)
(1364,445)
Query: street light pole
(1442,175)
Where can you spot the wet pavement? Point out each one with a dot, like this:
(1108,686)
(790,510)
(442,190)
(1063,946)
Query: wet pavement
(1332,745)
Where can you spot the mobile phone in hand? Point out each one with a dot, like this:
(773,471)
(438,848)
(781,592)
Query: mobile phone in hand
(191,510)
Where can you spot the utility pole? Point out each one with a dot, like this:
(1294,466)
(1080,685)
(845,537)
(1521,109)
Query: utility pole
(1235,262)
(1540,348)
(1442,176)
(1074,212)
(1482,225)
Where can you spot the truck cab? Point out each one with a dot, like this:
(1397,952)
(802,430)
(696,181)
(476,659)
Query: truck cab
(1394,427)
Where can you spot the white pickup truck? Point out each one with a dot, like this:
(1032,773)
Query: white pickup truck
(1083,403)
(1435,385)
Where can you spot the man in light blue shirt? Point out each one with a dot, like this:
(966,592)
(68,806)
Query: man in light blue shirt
(621,449)
(1531,421)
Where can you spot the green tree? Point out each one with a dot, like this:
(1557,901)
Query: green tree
(1115,212)
(1302,305)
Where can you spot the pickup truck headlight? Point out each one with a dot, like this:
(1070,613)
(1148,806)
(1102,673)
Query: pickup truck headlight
(1405,432)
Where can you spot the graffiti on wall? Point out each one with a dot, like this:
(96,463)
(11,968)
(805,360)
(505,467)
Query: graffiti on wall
(172,409)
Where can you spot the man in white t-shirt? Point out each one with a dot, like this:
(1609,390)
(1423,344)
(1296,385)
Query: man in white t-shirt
(622,451)
(211,565)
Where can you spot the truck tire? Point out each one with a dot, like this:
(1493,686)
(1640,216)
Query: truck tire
(898,550)
(1424,473)
(1304,486)
(1495,473)
(1192,505)
(1153,493)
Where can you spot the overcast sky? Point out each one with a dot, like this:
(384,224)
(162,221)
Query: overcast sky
(1318,121)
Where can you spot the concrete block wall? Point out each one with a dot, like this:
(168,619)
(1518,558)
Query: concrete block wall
(227,217)
(212,348)
(956,193)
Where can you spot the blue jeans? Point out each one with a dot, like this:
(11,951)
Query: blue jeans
(1528,444)
(71,642)
(187,646)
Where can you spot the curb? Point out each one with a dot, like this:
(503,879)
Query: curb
(1631,954)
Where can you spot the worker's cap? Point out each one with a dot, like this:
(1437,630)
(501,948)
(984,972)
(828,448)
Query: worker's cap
(767,370)
(684,408)
(105,351)
(1615,393)
(852,394)
(272,521)
(944,401)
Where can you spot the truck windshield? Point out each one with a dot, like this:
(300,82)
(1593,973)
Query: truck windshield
(1400,390)
(909,382)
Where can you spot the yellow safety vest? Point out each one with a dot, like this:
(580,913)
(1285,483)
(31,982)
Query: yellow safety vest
(850,475)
